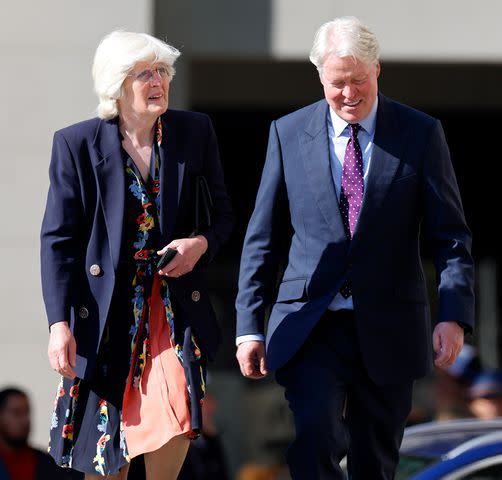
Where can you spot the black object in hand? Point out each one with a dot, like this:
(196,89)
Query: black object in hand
(167,256)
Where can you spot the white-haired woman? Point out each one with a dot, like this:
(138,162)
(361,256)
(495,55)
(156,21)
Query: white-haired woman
(129,338)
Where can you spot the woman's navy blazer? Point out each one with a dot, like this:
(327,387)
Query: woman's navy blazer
(82,226)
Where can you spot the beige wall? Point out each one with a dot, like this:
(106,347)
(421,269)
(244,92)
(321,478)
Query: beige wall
(444,30)
(428,30)
(46,48)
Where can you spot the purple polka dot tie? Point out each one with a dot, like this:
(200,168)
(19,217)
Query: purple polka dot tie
(351,194)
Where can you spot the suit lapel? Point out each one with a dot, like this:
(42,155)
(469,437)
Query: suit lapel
(385,159)
(315,150)
(109,169)
(170,156)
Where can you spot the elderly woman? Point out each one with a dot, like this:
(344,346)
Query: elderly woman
(129,338)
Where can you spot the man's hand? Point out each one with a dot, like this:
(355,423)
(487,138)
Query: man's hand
(62,349)
(447,340)
(251,358)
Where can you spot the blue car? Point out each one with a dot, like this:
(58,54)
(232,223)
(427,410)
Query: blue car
(467,449)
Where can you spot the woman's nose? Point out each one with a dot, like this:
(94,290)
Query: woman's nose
(156,79)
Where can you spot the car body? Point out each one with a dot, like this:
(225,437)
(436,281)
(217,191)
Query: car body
(452,450)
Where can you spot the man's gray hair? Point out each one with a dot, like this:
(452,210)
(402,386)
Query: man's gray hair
(345,37)
(116,56)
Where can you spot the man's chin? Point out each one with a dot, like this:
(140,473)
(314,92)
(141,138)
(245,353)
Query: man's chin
(353,114)
(348,118)
(345,114)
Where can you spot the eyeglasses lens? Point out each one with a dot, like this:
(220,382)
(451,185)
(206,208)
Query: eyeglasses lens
(147,75)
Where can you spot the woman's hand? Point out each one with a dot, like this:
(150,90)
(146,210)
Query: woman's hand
(62,349)
(189,252)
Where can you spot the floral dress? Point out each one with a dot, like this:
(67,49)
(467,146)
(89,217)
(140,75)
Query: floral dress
(89,429)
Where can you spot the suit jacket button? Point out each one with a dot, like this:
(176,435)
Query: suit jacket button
(195,295)
(83,312)
(95,270)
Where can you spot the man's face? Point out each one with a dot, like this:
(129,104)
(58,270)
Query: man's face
(15,421)
(350,87)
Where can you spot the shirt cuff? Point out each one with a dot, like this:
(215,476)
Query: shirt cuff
(257,337)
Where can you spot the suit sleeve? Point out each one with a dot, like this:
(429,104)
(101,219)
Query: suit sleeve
(447,233)
(264,238)
(221,214)
(61,233)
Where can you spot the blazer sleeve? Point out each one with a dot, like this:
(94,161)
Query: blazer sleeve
(447,233)
(221,214)
(261,254)
(61,233)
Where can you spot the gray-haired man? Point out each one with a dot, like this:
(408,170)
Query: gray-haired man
(349,183)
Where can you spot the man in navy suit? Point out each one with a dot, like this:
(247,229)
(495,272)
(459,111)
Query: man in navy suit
(349,184)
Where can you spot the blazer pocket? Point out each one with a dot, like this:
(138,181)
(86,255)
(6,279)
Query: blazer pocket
(292,290)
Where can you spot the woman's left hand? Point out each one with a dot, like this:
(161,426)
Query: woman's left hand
(189,252)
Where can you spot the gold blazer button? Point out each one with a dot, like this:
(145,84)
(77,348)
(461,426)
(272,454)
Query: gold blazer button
(95,270)
(195,295)
(83,312)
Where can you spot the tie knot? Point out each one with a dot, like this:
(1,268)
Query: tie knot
(354,129)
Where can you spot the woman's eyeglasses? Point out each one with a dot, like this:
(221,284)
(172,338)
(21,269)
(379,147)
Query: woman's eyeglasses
(146,75)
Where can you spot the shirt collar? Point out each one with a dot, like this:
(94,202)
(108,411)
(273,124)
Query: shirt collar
(368,123)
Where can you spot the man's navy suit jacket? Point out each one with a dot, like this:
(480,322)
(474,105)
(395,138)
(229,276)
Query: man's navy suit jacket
(83,223)
(410,190)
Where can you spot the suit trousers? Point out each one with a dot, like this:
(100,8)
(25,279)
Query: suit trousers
(338,410)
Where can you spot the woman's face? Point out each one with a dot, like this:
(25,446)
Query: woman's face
(145,91)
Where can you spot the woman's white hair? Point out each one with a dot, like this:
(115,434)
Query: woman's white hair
(345,37)
(116,56)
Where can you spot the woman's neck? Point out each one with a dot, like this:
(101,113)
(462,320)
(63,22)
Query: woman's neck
(139,132)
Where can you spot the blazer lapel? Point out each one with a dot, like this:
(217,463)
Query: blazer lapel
(385,159)
(315,150)
(170,156)
(109,168)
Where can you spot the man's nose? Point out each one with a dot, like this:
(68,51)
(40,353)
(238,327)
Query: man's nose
(348,91)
